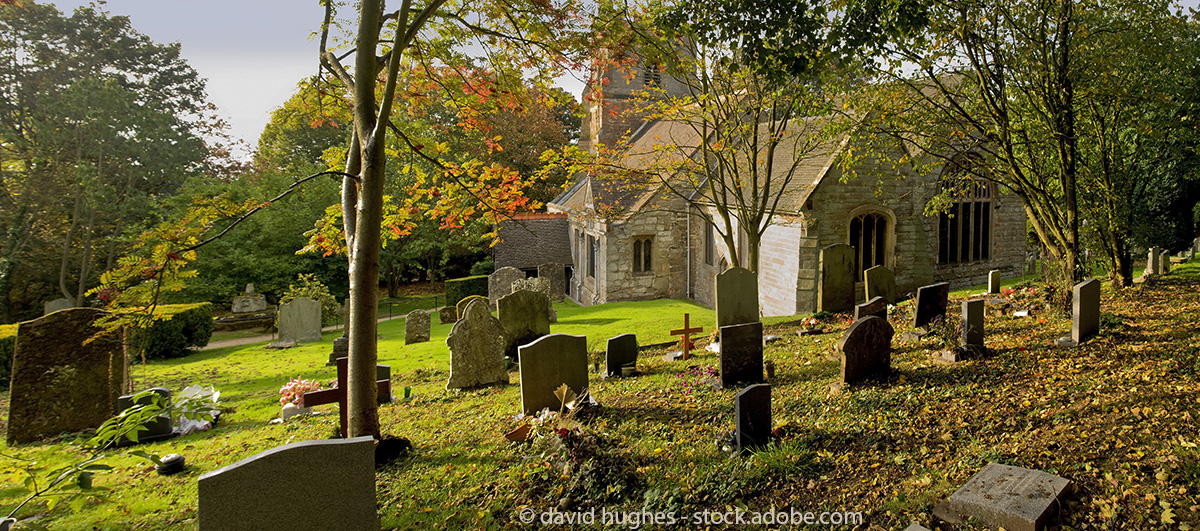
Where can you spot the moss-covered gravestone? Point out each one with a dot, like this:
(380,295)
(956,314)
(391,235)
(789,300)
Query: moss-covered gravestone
(461,307)
(476,348)
(500,283)
(555,275)
(59,384)
(547,364)
(525,316)
(416,327)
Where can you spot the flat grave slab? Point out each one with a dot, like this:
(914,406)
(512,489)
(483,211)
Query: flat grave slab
(1017,499)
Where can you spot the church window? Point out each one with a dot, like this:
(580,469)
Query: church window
(869,238)
(652,76)
(641,255)
(591,267)
(710,243)
(965,230)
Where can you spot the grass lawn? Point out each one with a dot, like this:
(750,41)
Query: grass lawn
(1118,416)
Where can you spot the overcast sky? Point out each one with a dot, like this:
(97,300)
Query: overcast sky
(252,52)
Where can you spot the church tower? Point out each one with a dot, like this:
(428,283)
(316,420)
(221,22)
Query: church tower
(610,95)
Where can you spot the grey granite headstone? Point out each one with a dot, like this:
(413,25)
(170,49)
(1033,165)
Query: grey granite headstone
(994,281)
(622,350)
(835,279)
(322,484)
(447,314)
(476,348)
(737,297)
(972,322)
(931,303)
(416,327)
(159,427)
(55,305)
(876,306)
(341,349)
(752,409)
(548,363)
(249,301)
(525,317)
(1085,310)
(539,285)
(879,281)
(1017,499)
(866,349)
(500,283)
(741,354)
(300,320)
(1164,262)
(555,274)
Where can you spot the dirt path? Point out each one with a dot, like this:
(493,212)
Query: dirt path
(269,337)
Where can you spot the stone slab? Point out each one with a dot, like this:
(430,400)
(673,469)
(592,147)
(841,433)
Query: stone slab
(972,322)
(300,320)
(322,484)
(1085,310)
(416,327)
(621,350)
(55,305)
(741,354)
(879,281)
(835,279)
(866,349)
(931,303)
(1017,499)
(476,345)
(548,363)
(525,317)
(556,275)
(737,297)
(876,306)
(447,314)
(752,410)
(500,283)
(993,282)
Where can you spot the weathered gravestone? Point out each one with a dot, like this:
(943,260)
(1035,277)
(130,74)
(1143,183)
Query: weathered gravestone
(931,303)
(500,283)
(1014,498)
(524,317)
(1152,263)
(461,307)
(539,285)
(548,363)
(300,320)
(737,297)
(416,327)
(994,281)
(1085,310)
(56,305)
(556,276)
(447,314)
(741,354)
(835,279)
(972,323)
(866,349)
(58,382)
(341,349)
(1164,262)
(879,281)
(622,350)
(476,349)
(752,409)
(322,484)
(249,302)
(876,306)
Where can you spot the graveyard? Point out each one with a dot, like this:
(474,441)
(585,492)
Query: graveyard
(1115,415)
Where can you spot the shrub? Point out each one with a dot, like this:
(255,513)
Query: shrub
(460,288)
(181,326)
(8,340)
(483,268)
(309,286)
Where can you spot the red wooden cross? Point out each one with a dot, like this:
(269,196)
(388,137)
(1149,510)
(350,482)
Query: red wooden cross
(686,332)
(338,394)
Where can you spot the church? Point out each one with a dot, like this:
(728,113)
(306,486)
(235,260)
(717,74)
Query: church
(629,243)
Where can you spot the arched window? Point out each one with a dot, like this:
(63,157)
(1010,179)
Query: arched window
(965,230)
(869,238)
(641,255)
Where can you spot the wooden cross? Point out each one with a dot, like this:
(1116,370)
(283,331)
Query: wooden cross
(338,394)
(686,332)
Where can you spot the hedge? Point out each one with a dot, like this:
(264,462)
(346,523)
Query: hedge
(8,340)
(460,288)
(181,326)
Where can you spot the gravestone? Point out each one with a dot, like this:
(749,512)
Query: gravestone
(866,349)
(622,350)
(383,391)
(58,382)
(157,428)
(879,281)
(972,323)
(249,302)
(476,349)
(876,306)
(321,484)
(447,314)
(461,307)
(835,279)
(1017,499)
(741,354)
(416,327)
(548,363)
(300,320)
(1152,263)
(524,317)
(737,297)
(931,303)
(56,305)
(752,409)
(341,349)
(500,283)
(539,285)
(994,281)
(1085,310)
(1164,261)
(555,275)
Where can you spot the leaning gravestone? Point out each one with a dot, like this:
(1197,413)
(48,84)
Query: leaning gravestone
(476,349)
(59,383)
(741,354)
(548,363)
(322,484)
(931,303)
(879,281)
(300,320)
(56,305)
(1009,497)
(416,327)
(555,275)
(737,297)
(972,323)
(249,302)
(525,318)
(866,349)
(994,281)
(876,306)
(461,307)
(1085,310)
(500,283)
(752,409)
(447,314)
(835,279)
(622,350)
